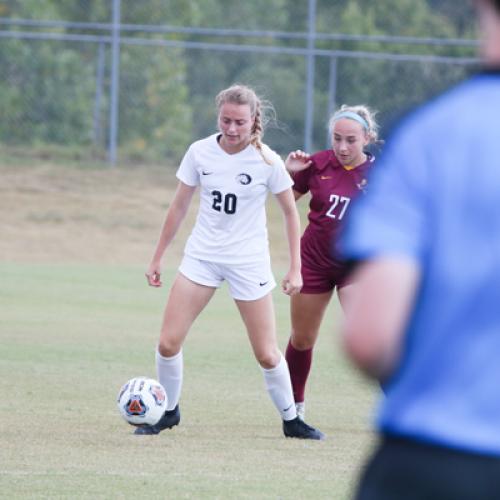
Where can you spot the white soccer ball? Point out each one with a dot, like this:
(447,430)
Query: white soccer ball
(142,400)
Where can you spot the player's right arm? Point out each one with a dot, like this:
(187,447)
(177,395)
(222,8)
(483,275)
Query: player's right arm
(297,160)
(175,215)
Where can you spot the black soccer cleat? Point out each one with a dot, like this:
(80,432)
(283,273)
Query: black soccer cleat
(170,419)
(297,428)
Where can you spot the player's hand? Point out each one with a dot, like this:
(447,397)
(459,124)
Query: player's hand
(297,161)
(153,275)
(292,283)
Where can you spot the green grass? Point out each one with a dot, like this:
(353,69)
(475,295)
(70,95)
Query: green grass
(77,320)
(72,334)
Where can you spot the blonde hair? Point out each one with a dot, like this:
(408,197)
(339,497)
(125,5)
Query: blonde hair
(241,94)
(367,116)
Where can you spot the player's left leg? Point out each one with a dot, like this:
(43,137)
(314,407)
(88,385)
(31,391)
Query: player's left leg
(306,311)
(259,319)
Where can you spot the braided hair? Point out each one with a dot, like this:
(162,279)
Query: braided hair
(241,94)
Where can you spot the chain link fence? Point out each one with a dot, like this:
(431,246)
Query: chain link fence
(125,81)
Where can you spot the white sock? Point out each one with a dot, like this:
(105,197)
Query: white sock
(170,372)
(279,387)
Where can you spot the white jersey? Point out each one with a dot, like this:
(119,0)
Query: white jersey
(231,224)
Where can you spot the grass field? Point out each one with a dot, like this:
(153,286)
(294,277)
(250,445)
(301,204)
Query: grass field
(78,320)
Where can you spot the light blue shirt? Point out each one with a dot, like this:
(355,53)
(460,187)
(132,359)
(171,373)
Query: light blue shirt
(435,197)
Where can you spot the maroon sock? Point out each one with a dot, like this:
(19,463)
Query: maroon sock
(299,364)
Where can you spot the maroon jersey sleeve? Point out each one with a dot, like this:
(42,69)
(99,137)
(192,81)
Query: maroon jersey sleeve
(301,180)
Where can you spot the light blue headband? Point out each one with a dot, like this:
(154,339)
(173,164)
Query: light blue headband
(352,116)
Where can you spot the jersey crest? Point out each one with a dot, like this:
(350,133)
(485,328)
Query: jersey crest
(244,179)
(362,185)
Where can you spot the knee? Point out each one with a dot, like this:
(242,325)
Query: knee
(268,359)
(302,342)
(167,348)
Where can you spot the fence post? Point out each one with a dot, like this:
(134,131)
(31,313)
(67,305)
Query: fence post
(98,95)
(311,45)
(332,96)
(115,83)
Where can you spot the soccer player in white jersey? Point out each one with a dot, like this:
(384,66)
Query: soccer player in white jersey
(234,171)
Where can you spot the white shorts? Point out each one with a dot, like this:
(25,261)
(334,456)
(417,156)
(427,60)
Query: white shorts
(246,281)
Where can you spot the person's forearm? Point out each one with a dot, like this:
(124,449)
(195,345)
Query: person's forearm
(376,315)
(173,220)
(293,236)
(175,215)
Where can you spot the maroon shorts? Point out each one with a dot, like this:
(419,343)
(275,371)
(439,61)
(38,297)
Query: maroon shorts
(323,279)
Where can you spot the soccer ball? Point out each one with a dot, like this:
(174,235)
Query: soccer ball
(142,400)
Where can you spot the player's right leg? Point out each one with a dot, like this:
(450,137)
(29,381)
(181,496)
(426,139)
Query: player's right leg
(307,311)
(185,302)
(258,316)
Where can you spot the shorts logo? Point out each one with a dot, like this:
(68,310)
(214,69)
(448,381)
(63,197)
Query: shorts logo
(244,179)
(263,283)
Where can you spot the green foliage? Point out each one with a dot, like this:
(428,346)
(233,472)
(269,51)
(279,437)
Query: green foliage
(391,17)
(46,95)
(84,12)
(154,99)
(390,87)
(48,92)
(255,15)
(29,9)
(461,18)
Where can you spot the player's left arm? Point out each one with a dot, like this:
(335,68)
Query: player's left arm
(377,314)
(292,282)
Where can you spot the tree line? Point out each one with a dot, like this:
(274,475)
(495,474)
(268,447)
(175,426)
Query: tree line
(48,94)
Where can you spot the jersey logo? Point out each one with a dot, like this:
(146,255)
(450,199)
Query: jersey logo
(263,283)
(206,173)
(362,185)
(324,177)
(244,179)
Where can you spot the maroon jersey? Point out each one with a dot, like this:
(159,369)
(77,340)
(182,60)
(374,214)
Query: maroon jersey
(332,189)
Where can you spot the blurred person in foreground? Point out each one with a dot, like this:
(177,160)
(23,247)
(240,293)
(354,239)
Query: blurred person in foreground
(426,317)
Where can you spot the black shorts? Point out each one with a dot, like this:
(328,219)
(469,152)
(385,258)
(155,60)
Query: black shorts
(402,469)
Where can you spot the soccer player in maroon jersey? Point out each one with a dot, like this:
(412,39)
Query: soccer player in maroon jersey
(333,178)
